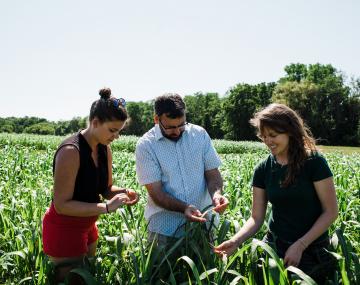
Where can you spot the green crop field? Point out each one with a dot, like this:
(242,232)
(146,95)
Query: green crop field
(123,254)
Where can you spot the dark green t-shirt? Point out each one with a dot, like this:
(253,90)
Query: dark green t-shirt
(296,207)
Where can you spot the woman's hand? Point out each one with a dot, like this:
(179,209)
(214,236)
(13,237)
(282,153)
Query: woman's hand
(226,248)
(133,197)
(117,201)
(293,254)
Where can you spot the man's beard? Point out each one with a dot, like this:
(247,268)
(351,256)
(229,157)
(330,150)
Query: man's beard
(174,139)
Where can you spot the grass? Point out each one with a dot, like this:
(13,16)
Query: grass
(340,149)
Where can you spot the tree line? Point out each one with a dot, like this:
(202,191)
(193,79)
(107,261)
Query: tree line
(328,102)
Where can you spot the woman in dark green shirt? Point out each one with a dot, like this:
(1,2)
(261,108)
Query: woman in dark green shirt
(298,182)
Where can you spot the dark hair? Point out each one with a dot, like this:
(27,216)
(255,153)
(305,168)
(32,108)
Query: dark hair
(107,108)
(283,119)
(170,104)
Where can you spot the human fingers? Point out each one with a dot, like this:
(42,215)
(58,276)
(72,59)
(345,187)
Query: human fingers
(216,201)
(133,197)
(203,215)
(290,261)
(293,254)
(118,200)
(226,248)
(220,253)
(130,202)
(225,245)
(223,204)
(221,247)
(121,197)
(193,218)
(193,214)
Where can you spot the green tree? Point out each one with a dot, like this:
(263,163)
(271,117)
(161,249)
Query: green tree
(6,128)
(320,95)
(242,102)
(141,118)
(205,110)
(305,98)
(75,125)
(21,123)
(61,128)
(43,128)
(295,72)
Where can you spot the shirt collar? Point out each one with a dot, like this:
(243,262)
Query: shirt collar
(158,134)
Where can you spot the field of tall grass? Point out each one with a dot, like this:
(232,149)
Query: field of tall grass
(123,253)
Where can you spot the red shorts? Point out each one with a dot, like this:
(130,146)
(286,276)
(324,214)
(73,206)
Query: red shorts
(67,236)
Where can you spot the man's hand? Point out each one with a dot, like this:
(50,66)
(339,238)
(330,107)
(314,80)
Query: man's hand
(193,214)
(220,202)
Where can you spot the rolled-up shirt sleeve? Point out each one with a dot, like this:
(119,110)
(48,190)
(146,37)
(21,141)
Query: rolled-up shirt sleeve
(147,166)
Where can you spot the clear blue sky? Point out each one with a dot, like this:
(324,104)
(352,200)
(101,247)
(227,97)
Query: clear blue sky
(56,55)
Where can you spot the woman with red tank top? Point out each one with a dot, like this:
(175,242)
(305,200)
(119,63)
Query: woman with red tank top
(82,169)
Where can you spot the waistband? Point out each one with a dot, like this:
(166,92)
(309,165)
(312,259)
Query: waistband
(272,237)
(55,218)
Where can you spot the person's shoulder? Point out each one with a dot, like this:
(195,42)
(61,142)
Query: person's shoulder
(147,138)
(197,135)
(72,139)
(195,128)
(68,152)
(69,148)
(196,131)
(315,156)
(265,163)
(317,166)
(71,143)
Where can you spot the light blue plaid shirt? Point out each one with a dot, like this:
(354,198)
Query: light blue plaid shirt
(180,166)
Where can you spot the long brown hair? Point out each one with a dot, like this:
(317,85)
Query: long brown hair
(283,119)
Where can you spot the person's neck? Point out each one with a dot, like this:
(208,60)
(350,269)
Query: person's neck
(282,159)
(87,134)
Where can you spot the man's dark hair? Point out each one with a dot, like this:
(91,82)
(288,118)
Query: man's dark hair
(170,104)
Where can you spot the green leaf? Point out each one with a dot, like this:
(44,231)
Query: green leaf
(25,279)
(355,258)
(225,226)
(193,268)
(206,273)
(237,278)
(18,253)
(302,275)
(85,275)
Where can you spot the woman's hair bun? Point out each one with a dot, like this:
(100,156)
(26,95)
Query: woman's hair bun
(105,93)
